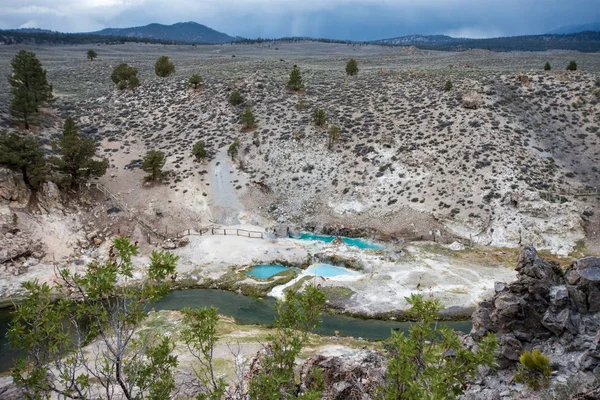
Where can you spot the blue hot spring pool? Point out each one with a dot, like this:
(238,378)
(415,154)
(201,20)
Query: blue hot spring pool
(360,243)
(329,271)
(265,271)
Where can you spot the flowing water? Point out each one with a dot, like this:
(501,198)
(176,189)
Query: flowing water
(247,310)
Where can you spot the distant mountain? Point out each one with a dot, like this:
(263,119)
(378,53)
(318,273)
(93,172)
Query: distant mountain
(418,40)
(593,27)
(188,32)
(583,41)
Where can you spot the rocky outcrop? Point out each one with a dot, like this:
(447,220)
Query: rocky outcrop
(49,197)
(548,308)
(347,373)
(13,189)
(10,391)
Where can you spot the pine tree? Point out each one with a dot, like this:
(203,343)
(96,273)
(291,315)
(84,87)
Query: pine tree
(199,150)
(233,149)
(572,66)
(295,82)
(352,67)
(448,86)
(319,117)
(29,86)
(248,119)
(91,55)
(547,66)
(125,76)
(153,163)
(334,136)
(164,67)
(24,153)
(196,80)
(235,98)
(76,154)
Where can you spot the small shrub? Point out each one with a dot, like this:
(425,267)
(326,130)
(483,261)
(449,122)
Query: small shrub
(319,117)
(547,67)
(248,119)
(572,66)
(164,67)
(352,67)
(199,150)
(471,100)
(235,98)
(196,80)
(448,86)
(534,369)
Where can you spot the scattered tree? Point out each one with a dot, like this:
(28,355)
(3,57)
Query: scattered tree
(334,136)
(352,67)
(534,369)
(29,86)
(164,67)
(153,163)
(53,324)
(572,66)
(196,80)
(199,333)
(24,153)
(248,119)
(235,98)
(448,86)
(91,55)
(298,315)
(319,117)
(547,66)
(125,76)
(199,150)
(75,156)
(233,149)
(301,106)
(430,362)
(295,81)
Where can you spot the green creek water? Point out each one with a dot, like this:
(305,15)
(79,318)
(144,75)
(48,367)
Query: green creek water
(247,310)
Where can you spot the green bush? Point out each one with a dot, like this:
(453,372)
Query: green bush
(572,66)
(164,67)
(534,369)
(319,117)
(196,80)
(248,120)
(295,81)
(448,86)
(547,67)
(352,67)
(235,98)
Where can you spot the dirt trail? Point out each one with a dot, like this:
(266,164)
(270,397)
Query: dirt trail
(224,197)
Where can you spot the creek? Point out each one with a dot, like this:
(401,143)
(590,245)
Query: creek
(246,310)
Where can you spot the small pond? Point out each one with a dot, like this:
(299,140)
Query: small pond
(246,310)
(329,271)
(265,271)
(355,242)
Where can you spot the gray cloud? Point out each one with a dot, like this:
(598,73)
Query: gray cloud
(341,19)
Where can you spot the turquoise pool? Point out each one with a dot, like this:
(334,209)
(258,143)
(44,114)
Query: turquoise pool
(329,271)
(265,271)
(360,243)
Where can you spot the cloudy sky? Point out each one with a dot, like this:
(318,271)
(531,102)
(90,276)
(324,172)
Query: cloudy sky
(338,19)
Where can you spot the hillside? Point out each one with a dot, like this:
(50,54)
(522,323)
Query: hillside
(583,41)
(416,40)
(411,159)
(188,32)
(594,26)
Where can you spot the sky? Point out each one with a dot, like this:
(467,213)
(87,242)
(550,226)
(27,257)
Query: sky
(335,19)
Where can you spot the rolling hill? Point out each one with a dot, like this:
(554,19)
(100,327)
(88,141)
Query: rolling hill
(187,32)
